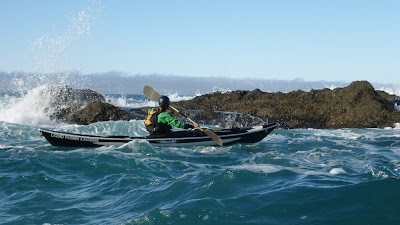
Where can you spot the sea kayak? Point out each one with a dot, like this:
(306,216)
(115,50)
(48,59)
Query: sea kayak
(175,139)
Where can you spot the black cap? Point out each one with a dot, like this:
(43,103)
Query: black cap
(163,101)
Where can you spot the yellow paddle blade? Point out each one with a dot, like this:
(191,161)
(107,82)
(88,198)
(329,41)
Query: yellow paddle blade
(213,136)
(151,93)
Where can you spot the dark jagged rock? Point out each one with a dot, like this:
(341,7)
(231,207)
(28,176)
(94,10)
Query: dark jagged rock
(224,119)
(67,96)
(82,106)
(135,113)
(355,106)
(391,98)
(97,112)
(62,101)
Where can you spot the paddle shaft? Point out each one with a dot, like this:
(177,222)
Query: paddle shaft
(208,132)
(154,95)
(182,114)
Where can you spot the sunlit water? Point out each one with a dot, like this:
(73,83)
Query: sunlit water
(343,176)
(304,176)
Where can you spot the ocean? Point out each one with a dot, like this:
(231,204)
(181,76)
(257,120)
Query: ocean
(300,176)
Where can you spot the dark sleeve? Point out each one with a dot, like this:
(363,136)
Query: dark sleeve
(187,126)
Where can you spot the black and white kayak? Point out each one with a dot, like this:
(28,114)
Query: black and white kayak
(174,139)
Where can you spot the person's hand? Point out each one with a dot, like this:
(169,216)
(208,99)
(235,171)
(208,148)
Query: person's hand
(196,125)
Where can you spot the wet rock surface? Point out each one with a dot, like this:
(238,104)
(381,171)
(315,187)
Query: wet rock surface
(224,119)
(358,105)
(97,112)
(83,106)
(65,96)
(355,106)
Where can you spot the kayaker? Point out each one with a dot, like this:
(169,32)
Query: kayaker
(160,122)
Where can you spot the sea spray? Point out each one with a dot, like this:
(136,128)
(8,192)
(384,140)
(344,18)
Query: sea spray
(49,50)
(44,104)
(175,97)
(32,108)
(393,89)
(130,101)
(139,100)
(52,65)
(38,105)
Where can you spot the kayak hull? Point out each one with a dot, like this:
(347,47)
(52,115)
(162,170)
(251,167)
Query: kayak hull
(175,139)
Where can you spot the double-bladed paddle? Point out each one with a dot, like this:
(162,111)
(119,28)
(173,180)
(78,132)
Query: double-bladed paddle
(152,94)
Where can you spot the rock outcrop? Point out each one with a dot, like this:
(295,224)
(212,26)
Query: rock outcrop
(225,119)
(97,112)
(358,105)
(78,106)
(355,106)
(65,96)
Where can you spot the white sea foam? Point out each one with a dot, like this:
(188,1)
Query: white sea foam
(222,90)
(331,87)
(393,89)
(29,109)
(335,171)
(124,101)
(396,106)
(270,168)
(175,97)
(264,168)
(123,128)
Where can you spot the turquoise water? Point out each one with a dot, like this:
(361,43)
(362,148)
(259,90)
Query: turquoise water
(342,176)
(345,176)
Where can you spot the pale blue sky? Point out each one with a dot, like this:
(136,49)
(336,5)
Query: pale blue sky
(338,40)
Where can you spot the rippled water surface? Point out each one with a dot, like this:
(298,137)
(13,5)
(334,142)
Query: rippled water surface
(345,176)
